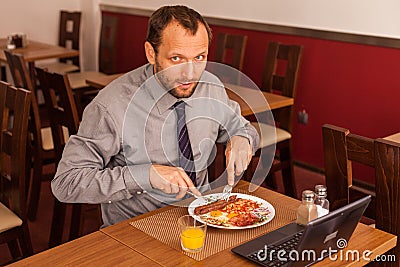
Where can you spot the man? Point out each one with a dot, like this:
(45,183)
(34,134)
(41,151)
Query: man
(126,154)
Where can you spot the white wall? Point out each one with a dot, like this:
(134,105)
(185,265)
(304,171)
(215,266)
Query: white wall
(370,17)
(39,19)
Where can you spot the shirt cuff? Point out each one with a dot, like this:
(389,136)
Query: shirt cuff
(252,142)
(138,181)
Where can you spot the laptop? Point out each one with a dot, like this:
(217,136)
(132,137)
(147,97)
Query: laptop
(296,245)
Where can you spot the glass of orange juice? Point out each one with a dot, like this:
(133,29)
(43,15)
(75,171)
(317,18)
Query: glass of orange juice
(192,233)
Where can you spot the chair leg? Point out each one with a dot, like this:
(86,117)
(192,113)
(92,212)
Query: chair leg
(25,242)
(57,224)
(14,249)
(3,75)
(248,176)
(288,172)
(76,221)
(78,102)
(99,215)
(34,194)
(270,181)
(20,245)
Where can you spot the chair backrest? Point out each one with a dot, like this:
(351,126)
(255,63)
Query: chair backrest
(14,114)
(60,104)
(22,78)
(282,65)
(69,33)
(281,68)
(19,70)
(230,49)
(107,48)
(341,149)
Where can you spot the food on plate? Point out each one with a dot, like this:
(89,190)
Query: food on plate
(236,212)
(243,220)
(216,205)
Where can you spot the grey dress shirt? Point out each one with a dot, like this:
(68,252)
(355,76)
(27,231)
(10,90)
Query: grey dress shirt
(129,126)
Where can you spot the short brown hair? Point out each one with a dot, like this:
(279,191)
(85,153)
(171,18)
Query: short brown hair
(188,18)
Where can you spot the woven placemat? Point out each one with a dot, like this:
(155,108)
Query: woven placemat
(159,227)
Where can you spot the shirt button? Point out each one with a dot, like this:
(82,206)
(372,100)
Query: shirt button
(138,192)
(109,202)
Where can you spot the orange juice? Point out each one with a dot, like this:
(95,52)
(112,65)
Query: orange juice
(192,238)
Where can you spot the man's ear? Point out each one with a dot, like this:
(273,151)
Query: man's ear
(150,53)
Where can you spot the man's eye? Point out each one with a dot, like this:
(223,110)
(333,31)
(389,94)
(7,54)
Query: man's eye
(200,58)
(175,59)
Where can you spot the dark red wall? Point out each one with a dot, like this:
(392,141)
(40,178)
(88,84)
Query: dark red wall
(349,85)
(131,35)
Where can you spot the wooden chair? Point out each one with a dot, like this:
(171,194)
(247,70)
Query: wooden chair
(230,50)
(42,141)
(341,149)
(3,75)
(14,169)
(107,48)
(64,121)
(282,65)
(107,64)
(68,36)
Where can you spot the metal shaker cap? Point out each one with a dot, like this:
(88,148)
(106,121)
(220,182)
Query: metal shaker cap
(308,195)
(320,190)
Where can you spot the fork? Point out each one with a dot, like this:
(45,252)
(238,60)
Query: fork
(206,199)
(226,192)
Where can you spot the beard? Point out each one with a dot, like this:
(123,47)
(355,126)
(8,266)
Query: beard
(175,85)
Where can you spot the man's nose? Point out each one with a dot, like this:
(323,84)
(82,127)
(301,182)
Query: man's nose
(188,70)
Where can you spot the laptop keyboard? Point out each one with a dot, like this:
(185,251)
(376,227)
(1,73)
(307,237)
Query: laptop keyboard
(271,259)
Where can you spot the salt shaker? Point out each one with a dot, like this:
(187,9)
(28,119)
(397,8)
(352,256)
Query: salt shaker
(307,211)
(321,201)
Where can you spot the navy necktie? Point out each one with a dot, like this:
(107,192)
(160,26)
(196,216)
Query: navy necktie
(185,148)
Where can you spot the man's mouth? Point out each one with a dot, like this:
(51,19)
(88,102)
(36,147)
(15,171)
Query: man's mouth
(184,85)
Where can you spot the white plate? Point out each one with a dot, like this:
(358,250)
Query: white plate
(264,204)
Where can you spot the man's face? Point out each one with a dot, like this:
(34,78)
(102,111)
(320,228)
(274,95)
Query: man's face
(181,59)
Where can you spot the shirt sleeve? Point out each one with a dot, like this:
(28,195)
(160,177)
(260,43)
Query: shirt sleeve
(236,124)
(92,169)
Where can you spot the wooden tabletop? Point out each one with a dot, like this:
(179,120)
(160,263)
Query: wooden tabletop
(364,238)
(101,82)
(96,249)
(251,100)
(123,244)
(35,51)
(394,137)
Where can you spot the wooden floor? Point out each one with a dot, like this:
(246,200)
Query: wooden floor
(40,229)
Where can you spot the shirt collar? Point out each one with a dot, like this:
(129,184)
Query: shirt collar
(163,100)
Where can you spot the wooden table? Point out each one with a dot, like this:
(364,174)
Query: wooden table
(249,99)
(124,244)
(101,82)
(394,137)
(364,238)
(35,51)
(96,249)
